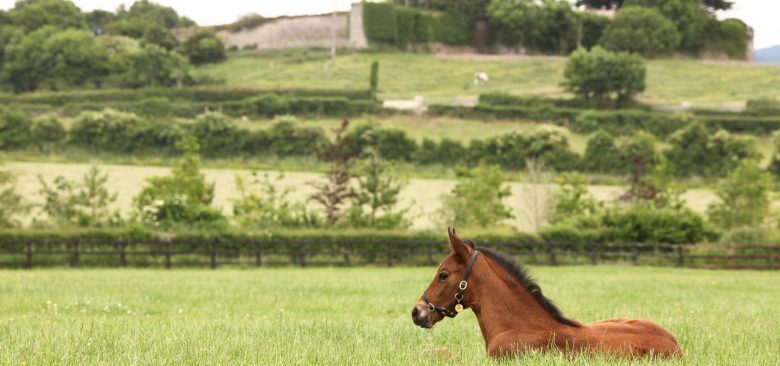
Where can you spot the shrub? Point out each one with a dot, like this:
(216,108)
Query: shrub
(453,28)
(641,30)
(86,203)
(290,139)
(47,133)
(744,197)
(391,144)
(573,199)
(379,22)
(600,74)
(511,150)
(12,204)
(269,206)
(593,26)
(218,135)
(376,197)
(477,198)
(14,128)
(694,151)
(602,154)
(108,130)
(204,47)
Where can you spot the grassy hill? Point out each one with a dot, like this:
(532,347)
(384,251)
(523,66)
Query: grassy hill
(439,79)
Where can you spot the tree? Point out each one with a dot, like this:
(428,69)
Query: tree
(270,206)
(160,36)
(153,65)
(477,198)
(641,30)
(204,47)
(744,197)
(592,28)
(15,128)
(336,190)
(12,204)
(182,199)
(97,20)
(378,192)
(54,59)
(31,15)
(573,199)
(599,74)
(516,21)
(83,204)
(693,151)
(614,4)
(602,154)
(559,28)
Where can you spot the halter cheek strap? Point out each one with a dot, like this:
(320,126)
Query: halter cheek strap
(456,305)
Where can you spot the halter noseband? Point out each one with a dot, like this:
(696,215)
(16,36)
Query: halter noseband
(456,305)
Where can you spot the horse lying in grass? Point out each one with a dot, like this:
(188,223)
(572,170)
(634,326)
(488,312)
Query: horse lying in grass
(515,317)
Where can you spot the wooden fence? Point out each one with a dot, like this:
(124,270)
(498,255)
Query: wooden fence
(31,253)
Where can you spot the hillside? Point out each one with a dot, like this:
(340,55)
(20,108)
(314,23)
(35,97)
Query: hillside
(770,55)
(405,75)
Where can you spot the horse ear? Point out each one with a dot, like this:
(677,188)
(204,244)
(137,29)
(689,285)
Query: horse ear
(461,248)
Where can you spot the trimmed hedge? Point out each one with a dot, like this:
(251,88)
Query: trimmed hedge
(379,22)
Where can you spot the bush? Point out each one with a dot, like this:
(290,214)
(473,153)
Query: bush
(218,135)
(47,133)
(600,74)
(602,154)
(204,47)
(14,128)
(108,130)
(477,199)
(379,22)
(593,26)
(391,144)
(453,28)
(290,139)
(694,152)
(641,30)
(635,224)
(744,197)
(511,150)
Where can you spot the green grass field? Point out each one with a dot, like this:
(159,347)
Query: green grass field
(403,75)
(355,316)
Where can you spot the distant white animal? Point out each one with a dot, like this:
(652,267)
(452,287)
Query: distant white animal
(480,78)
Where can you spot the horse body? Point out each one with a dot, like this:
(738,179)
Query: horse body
(515,317)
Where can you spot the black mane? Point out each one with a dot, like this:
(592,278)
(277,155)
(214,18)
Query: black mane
(519,273)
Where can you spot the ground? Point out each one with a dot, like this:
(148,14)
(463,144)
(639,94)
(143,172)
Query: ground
(439,79)
(354,316)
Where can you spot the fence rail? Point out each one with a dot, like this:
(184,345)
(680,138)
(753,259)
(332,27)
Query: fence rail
(31,253)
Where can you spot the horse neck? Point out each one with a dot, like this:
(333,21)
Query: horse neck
(502,304)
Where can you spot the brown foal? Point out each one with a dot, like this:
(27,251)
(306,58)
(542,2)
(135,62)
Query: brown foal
(515,317)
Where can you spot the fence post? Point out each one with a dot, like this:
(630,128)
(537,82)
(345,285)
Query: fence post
(430,253)
(302,254)
(28,249)
(213,253)
(259,253)
(551,251)
(389,254)
(76,258)
(168,254)
(635,254)
(345,253)
(122,254)
(594,258)
(730,256)
(680,258)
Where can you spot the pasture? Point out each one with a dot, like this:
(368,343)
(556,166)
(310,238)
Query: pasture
(355,316)
(439,79)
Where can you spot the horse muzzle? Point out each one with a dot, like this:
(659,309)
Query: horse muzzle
(421,316)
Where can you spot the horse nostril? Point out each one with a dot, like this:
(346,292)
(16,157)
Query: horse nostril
(415,311)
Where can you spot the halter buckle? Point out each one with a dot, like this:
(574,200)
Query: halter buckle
(463,285)
(431,307)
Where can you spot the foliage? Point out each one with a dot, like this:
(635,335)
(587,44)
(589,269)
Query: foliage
(477,198)
(85,204)
(600,74)
(641,30)
(602,154)
(12,204)
(204,47)
(694,152)
(593,26)
(31,15)
(512,150)
(516,21)
(334,193)
(14,128)
(152,65)
(390,144)
(47,133)
(270,206)
(182,199)
(54,59)
(377,196)
(572,198)
(218,135)
(744,197)
(288,138)
(613,4)
(379,22)
(455,29)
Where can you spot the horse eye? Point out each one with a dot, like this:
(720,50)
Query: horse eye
(444,276)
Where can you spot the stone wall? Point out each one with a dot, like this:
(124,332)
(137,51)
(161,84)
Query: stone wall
(340,30)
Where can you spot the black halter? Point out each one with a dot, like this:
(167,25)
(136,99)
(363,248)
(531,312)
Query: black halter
(451,310)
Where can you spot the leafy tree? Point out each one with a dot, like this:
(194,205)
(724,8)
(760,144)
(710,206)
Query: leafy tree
(378,192)
(640,154)
(83,204)
(156,13)
(32,15)
(641,30)
(270,206)
(744,197)
(599,74)
(12,204)
(592,28)
(336,190)
(97,20)
(153,65)
(614,4)
(477,198)
(516,21)
(204,47)
(160,36)
(182,199)
(8,35)
(54,59)
(694,152)
(573,199)
(559,27)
